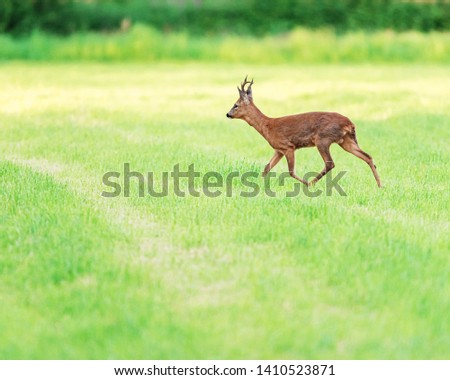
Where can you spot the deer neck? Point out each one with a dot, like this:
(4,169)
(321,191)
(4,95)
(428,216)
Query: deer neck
(257,120)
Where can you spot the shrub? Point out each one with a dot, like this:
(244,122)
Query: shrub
(255,17)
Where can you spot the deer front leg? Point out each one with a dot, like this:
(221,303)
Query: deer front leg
(273,161)
(324,151)
(290,158)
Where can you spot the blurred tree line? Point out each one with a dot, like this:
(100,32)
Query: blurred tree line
(222,16)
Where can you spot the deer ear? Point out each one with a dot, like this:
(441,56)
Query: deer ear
(243,96)
(249,90)
(249,93)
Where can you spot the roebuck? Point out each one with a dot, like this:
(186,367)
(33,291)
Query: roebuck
(288,133)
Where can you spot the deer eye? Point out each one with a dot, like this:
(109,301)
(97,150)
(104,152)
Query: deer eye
(235,106)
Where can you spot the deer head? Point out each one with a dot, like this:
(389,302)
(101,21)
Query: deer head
(245,101)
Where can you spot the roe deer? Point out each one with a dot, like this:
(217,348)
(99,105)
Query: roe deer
(288,133)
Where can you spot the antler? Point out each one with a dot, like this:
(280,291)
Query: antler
(249,88)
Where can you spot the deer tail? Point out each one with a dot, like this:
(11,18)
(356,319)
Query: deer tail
(351,131)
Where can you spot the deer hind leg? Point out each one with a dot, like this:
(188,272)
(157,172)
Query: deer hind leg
(273,161)
(350,145)
(324,151)
(290,158)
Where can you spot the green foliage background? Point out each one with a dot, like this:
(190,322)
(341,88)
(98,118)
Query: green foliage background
(142,43)
(208,16)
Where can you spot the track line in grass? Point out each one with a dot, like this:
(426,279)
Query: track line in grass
(66,277)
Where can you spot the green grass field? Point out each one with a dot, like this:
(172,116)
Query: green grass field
(365,276)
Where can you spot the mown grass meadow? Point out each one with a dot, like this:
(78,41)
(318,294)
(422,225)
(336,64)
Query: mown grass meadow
(363,276)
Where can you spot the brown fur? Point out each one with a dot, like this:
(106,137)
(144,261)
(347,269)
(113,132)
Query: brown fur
(287,133)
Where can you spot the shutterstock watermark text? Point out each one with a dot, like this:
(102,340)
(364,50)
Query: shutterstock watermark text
(184,182)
